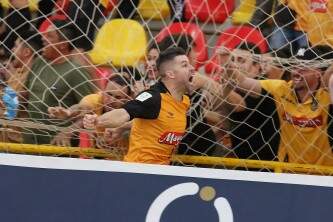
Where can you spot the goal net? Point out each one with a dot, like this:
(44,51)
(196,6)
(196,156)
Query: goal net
(265,104)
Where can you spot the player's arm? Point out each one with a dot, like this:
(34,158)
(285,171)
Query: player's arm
(60,112)
(112,134)
(236,78)
(87,105)
(145,106)
(206,83)
(112,119)
(224,95)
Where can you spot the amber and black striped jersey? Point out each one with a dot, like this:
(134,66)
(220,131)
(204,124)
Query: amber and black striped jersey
(159,123)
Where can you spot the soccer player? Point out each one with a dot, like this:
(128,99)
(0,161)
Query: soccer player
(303,107)
(158,114)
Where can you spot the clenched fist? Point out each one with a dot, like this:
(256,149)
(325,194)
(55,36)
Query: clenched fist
(90,121)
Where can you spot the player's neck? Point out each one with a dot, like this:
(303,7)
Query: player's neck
(304,93)
(175,91)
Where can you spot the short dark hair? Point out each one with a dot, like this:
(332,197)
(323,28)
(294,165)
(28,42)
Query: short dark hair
(183,41)
(153,45)
(252,48)
(31,39)
(318,53)
(168,55)
(122,81)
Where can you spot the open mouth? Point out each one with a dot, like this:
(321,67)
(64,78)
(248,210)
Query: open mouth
(297,77)
(190,79)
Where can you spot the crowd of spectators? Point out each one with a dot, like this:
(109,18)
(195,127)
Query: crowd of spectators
(274,106)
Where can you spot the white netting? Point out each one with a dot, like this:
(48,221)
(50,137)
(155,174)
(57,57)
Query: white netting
(90,56)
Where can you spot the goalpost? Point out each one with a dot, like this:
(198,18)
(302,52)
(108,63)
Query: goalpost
(113,38)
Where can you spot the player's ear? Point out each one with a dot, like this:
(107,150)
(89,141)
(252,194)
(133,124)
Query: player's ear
(170,74)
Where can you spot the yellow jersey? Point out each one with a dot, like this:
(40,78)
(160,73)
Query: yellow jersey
(315,17)
(94,102)
(159,123)
(303,126)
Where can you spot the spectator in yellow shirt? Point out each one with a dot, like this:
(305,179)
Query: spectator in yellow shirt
(303,107)
(117,92)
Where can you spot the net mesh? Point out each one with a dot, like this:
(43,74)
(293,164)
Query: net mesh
(63,59)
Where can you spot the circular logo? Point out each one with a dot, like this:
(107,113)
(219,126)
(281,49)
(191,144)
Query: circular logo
(171,194)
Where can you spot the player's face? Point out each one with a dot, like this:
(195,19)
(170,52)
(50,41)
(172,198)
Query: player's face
(150,66)
(184,72)
(114,96)
(244,60)
(305,78)
(20,51)
(52,43)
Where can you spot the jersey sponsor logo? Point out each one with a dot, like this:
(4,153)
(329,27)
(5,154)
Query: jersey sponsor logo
(302,121)
(171,138)
(176,192)
(143,96)
(318,6)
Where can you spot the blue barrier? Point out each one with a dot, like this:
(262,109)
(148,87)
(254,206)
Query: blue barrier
(57,189)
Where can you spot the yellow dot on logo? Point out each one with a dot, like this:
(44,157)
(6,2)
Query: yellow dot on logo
(207,193)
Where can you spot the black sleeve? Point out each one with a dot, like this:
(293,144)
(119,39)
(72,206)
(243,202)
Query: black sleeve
(146,105)
(254,103)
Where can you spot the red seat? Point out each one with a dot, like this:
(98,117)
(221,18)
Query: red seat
(61,7)
(216,11)
(47,22)
(192,30)
(109,5)
(232,37)
(85,141)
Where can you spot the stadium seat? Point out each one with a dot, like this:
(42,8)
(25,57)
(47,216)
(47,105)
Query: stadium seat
(122,42)
(216,11)
(232,37)
(85,140)
(244,12)
(192,30)
(108,5)
(61,6)
(154,9)
(33,4)
(47,22)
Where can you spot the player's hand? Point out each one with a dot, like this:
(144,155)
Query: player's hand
(62,139)
(90,121)
(222,50)
(113,134)
(59,112)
